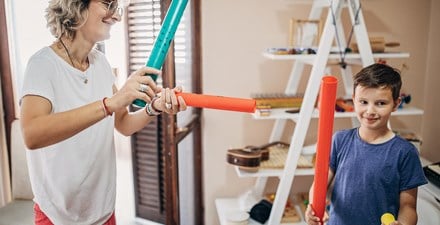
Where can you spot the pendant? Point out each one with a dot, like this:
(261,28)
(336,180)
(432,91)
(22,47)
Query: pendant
(85,81)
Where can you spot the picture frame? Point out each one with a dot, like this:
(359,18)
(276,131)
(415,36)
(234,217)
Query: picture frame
(304,33)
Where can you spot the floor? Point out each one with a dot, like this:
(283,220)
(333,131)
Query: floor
(125,214)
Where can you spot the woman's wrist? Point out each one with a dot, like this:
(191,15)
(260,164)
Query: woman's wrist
(154,107)
(151,109)
(107,111)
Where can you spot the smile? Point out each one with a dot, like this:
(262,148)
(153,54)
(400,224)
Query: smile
(371,119)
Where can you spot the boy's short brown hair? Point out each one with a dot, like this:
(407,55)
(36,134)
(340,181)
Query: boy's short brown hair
(379,75)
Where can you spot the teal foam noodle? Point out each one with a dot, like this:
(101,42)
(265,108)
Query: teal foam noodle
(163,41)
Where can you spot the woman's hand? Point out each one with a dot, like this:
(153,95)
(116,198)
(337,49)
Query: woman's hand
(137,86)
(168,101)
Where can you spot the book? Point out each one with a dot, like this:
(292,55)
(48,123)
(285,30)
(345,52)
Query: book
(277,100)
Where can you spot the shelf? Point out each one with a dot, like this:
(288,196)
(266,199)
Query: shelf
(229,205)
(349,58)
(281,114)
(273,172)
(307,152)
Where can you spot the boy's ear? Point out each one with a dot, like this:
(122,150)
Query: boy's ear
(397,103)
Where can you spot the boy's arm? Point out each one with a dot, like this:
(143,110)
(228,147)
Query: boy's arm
(311,219)
(408,205)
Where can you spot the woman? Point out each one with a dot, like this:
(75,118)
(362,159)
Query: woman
(69,109)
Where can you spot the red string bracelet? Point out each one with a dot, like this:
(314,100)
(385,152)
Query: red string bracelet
(107,111)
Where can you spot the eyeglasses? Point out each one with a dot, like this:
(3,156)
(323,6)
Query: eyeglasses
(113,7)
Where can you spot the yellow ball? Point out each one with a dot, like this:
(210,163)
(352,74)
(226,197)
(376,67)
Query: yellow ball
(387,218)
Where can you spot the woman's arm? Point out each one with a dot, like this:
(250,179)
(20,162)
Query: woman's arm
(42,128)
(128,123)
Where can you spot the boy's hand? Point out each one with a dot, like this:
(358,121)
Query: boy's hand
(394,223)
(388,219)
(311,219)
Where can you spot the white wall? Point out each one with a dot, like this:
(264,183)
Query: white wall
(234,34)
(29,37)
(431,93)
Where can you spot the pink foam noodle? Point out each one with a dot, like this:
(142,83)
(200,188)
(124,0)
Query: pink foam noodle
(327,100)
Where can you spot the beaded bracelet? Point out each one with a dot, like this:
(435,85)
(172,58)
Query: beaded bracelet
(106,110)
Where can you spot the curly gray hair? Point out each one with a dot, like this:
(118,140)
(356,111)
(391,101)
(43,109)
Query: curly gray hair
(64,17)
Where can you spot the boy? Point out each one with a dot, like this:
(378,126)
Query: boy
(372,171)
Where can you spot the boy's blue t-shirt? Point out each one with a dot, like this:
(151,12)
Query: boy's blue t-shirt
(369,177)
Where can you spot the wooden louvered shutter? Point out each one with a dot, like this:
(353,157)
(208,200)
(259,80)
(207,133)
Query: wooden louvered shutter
(159,195)
(143,24)
(148,172)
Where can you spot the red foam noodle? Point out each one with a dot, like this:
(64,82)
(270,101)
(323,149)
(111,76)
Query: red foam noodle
(327,100)
(219,102)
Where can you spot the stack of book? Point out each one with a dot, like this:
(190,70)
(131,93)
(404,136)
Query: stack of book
(277,100)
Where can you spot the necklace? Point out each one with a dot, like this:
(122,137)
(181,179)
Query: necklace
(70,58)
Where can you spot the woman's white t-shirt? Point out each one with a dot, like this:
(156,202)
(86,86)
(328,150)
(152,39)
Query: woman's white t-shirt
(73,181)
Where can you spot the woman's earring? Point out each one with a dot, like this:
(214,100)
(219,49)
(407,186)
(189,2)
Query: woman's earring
(67,24)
